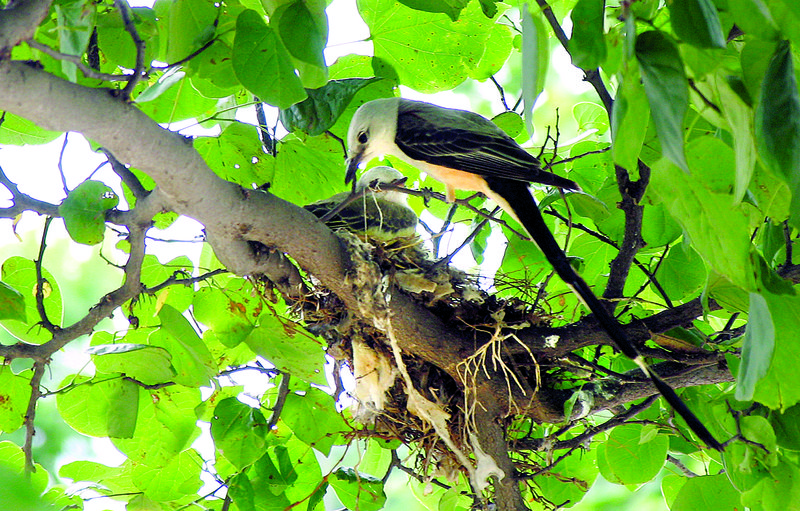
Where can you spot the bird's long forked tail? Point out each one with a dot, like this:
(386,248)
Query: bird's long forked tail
(521,201)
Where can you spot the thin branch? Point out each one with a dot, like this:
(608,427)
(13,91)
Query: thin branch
(40,281)
(75,59)
(787,236)
(468,240)
(30,415)
(680,466)
(283,391)
(126,175)
(61,163)
(138,42)
(174,280)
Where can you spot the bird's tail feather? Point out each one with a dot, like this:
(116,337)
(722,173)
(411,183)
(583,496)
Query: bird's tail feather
(526,210)
(550,179)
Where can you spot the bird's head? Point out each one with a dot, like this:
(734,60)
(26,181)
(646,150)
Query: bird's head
(383,175)
(371,133)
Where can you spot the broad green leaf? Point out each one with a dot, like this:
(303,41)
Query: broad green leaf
(116,479)
(779,491)
(667,91)
(625,459)
(190,357)
(358,491)
(787,427)
(19,490)
(587,46)
(116,43)
(172,98)
(777,388)
(191,24)
(289,348)
(317,113)
(179,477)
(629,120)
(510,122)
(16,130)
(697,23)
(166,425)
(20,274)
(149,365)
(719,231)
(303,33)
(536,55)
(12,303)
(313,419)
(496,52)
(262,63)
(226,313)
(450,7)
(308,160)
(105,406)
(658,226)
(290,469)
(75,23)
(237,155)
(682,273)
(570,479)
(15,392)
(242,493)
(239,432)
(753,17)
(757,349)
(710,493)
(778,123)
(84,211)
(428,51)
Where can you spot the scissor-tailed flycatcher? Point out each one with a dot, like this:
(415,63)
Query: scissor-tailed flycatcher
(380,214)
(466,151)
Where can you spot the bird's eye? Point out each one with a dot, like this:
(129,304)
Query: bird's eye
(362,137)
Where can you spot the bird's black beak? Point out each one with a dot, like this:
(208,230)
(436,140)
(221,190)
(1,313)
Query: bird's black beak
(352,168)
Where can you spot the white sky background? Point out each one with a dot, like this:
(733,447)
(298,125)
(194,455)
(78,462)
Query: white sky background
(34,168)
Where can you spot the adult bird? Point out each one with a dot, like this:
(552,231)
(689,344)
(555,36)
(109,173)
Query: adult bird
(380,214)
(466,151)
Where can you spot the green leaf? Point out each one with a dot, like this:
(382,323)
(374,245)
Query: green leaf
(149,365)
(12,303)
(288,348)
(20,274)
(778,122)
(667,91)
(237,155)
(536,55)
(107,406)
(84,211)
(753,17)
(718,230)
(658,226)
(696,22)
(75,23)
(239,432)
(308,160)
(757,349)
(450,7)
(242,493)
(510,122)
(226,313)
(629,120)
(777,492)
(316,114)
(179,477)
(288,471)
(166,425)
(625,459)
(304,34)
(191,24)
(682,273)
(497,50)
(313,419)
(191,359)
(429,52)
(777,388)
(787,427)
(587,46)
(710,493)
(172,98)
(16,130)
(358,491)
(262,63)
(15,392)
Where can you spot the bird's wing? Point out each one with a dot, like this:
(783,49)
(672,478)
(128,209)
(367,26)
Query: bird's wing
(466,141)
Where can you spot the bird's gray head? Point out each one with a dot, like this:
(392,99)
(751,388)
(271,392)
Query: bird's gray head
(371,133)
(383,175)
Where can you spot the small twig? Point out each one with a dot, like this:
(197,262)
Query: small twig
(468,239)
(787,236)
(283,391)
(706,101)
(501,91)
(552,163)
(679,464)
(86,70)
(186,58)
(40,282)
(61,163)
(174,280)
(30,415)
(394,185)
(436,239)
(126,175)
(138,42)
(267,141)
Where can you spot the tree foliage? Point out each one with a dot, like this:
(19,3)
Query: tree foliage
(690,163)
